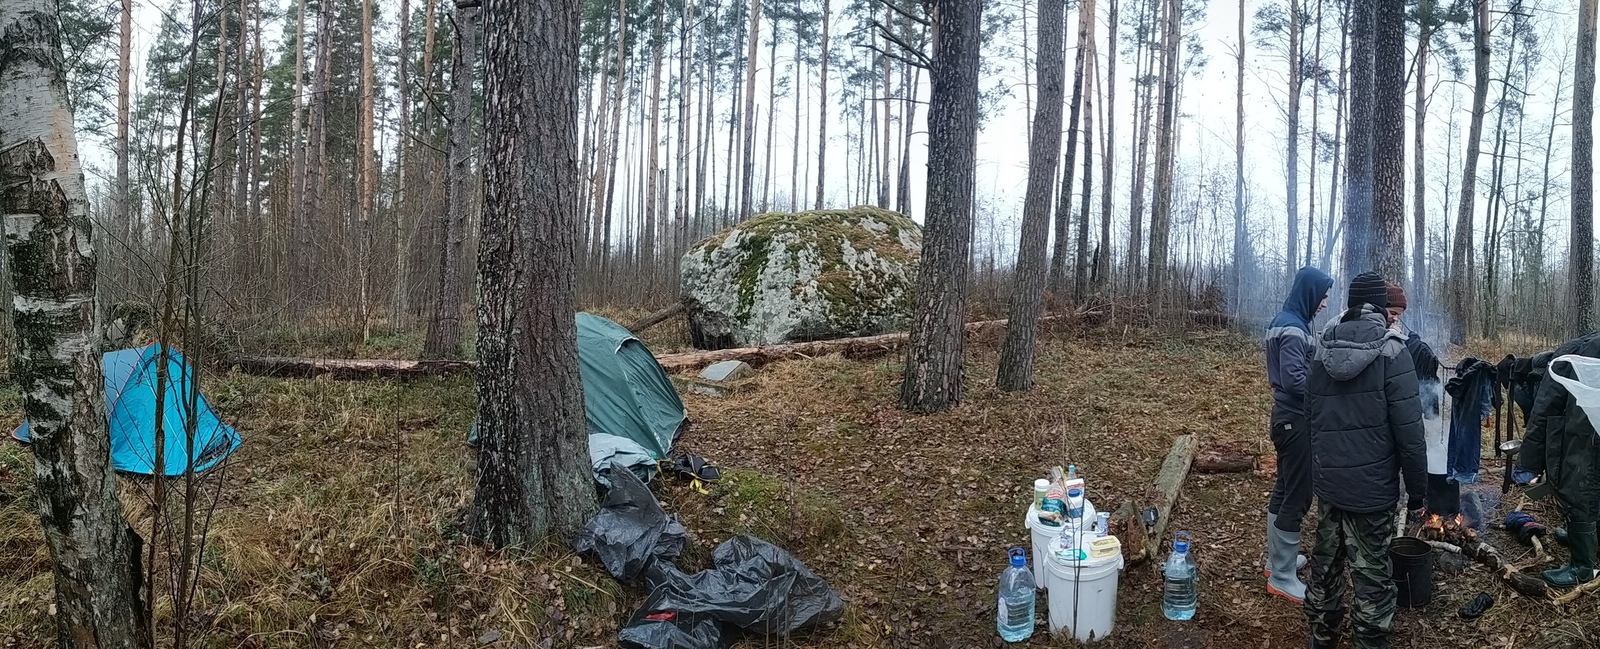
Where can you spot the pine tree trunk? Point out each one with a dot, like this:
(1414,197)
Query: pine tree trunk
(534,479)
(1580,294)
(1238,172)
(1102,269)
(1460,284)
(1389,140)
(1143,101)
(316,154)
(933,362)
(772,106)
(686,54)
(822,107)
(398,295)
(1080,268)
(94,554)
(1316,136)
(1058,255)
(121,196)
(1291,157)
(444,329)
(1166,132)
(367,169)
(883,128)
(1359,244)
(799,105)
(747,171)
(1016,355)
(652,151)
(1419,208)
(1329,238)
(298,144)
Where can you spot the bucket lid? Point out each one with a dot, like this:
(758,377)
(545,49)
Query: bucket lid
(1086,568)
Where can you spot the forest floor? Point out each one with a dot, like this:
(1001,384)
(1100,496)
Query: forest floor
(335,528)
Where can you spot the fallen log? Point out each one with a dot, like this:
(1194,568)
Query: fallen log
(1213,459)
(346,368)
(655,318)
(1167,487)
(864,347)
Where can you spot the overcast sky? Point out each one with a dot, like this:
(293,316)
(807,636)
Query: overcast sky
(1206,139)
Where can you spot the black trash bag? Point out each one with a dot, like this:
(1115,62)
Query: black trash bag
(631,531)
(754,586)
(656,627)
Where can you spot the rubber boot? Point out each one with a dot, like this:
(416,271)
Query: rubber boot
(1579,569)
(1266,562)
(1284,581)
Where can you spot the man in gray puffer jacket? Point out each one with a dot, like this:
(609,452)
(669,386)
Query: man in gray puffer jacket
(1366,432)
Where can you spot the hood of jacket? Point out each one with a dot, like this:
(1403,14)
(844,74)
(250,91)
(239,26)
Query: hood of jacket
(1310,287)
(1354,342)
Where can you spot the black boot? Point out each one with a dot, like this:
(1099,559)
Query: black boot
(1580,568)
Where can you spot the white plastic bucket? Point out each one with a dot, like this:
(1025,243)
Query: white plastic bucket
(1586,388)
(1040,535)
(1083,596)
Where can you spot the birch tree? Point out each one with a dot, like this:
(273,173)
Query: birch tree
(45,209)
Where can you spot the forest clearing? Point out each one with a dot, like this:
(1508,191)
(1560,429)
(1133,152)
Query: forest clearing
(337,525)
(307,336)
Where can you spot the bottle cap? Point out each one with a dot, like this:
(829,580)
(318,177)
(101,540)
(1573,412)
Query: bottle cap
(1075,492)
(1180,546)
(1019,558)
(1041,483)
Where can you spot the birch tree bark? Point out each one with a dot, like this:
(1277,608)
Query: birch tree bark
(94,553)
(533,451)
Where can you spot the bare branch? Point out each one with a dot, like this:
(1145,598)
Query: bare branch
(924,63)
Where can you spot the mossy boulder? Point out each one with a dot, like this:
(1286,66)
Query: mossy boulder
(788,277)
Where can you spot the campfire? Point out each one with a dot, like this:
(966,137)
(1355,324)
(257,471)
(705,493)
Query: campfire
(1454,529)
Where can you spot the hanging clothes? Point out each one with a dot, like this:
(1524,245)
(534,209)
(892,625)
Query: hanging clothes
(1473,395)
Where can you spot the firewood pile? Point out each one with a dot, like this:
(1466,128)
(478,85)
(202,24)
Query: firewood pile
(1453,535)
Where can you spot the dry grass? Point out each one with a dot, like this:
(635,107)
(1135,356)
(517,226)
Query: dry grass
(336,529)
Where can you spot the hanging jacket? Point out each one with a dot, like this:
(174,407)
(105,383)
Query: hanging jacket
(1289,344)
(1364,415)
(1560,441)
(1473,395)
(1430,392)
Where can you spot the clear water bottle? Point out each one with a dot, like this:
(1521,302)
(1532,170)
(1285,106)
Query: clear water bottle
(1014,615)
(1072,472)
(1182,593)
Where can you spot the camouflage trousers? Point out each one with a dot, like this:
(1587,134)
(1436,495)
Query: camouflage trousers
(1360,541)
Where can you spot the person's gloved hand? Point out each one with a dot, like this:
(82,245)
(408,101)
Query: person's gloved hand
(1416,509)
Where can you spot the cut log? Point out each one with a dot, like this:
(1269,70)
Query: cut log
(1573,595)
(865,347)
(1167,487)
(655,318)
(346,368)
(1215,459)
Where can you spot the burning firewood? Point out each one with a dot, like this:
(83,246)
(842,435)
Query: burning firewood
(1451,535)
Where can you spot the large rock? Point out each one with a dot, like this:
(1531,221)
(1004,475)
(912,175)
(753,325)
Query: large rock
(789,277)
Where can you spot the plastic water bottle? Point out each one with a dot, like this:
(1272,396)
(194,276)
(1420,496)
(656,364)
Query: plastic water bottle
(1014,615)
(1181,595)
(1072,472)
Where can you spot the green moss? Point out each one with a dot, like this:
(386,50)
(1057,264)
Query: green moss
(777,510)
(827,232)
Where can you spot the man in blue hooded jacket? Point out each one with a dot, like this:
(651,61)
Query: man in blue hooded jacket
(1289,350)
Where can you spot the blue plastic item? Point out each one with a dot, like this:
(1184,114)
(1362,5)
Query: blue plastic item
(1014,613)
(1181,595)
(130,383)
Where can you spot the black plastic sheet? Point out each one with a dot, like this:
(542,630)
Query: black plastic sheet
(631,531)
(752,588)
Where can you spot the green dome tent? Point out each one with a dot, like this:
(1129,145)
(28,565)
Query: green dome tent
(634,412)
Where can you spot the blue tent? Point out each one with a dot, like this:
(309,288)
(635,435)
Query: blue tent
(130,376)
